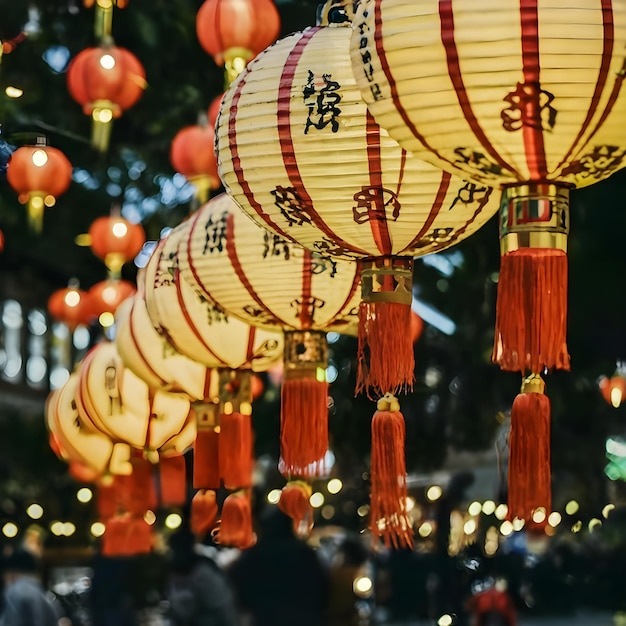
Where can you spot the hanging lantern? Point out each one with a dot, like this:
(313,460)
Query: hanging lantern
(234,31)
(112,400)
(39,174)
(116,241)
(71,306)
(105,81)
(266,281)
(106,296)
(192,154)
(613,389)
(104,15)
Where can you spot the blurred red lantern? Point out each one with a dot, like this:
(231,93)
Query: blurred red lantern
(116,241)
(38,174)
(106,296)
(235,31)
(192,154)
(613,389)
(105,81)
(71,306)
(214,109)
(257,386)
(417,326)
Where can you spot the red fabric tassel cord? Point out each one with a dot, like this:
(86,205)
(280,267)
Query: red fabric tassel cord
(531,311)
(385,349)
(235,525)
(203,512)
(235,450)
(529,476)
(173,481)
(206,471)
(303,426)
(294,502)
(388,514)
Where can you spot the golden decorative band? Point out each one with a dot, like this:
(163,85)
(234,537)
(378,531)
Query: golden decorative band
(207,415)
(388,279)
(305,350)
(533,384)
(235,391)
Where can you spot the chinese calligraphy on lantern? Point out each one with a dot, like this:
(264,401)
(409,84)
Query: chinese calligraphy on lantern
(529,106)
(366,57)
(291,205)
(215,233)
(372,204)
(322,103)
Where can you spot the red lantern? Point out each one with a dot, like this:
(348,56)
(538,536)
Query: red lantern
(105,81)
(71,306)
(613,389)
(116,241)
(192,154)
(106,296)
(235,31)
(38,174)
(214,109)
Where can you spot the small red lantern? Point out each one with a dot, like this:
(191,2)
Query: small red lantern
(192,154)
(116,241)
(613,389)
(235,31)
(214,109)
(38,174)
(105,81)
(71,306)
(106,296)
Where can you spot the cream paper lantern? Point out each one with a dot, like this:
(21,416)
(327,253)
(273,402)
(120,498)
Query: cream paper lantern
(113,400)
(92,449)
(267,281)
(299,152)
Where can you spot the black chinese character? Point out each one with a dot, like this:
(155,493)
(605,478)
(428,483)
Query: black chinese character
(275,246)
(293,208)
(215,233)
(372,204)
(322,104)
(529,106)
(321,264)
(470,193)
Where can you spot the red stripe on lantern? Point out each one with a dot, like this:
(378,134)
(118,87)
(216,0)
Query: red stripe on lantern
(434,211)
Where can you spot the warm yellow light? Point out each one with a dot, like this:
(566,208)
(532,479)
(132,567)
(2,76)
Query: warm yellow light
(410,504)
(72,298)
(518,524)
(606,510)
(328,511)
(434,493)
(554,519)
(539,515)
(363,510)
(320,374)
(273,496)
(119,229)
(35,511)
(489,506)
(577,526)
(491,547)
(49,200)
(572,507)
(107,62)
(425,529)
(109,294)
(616,396)
(501,511)
(316,500)
(84,495)
(106,319)
(13,92)
(149,517)
(9,530)
(39,158)
(506,528)
(97,529)
(36,202)
(56,528)
(173,521)
(474,508)
(594,523)
(469,527)
(362,585)
(334,485)
(102,115)
(444,620)
(68,529)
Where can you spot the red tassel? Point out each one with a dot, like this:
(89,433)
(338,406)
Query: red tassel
(136,493)
(173,481)
(235,526)
(206,470)
(529,476)
(388,514)
(294,502)
(107,500)
(203,512)
(235,450)
(303,425)
(385,351)
(531,311)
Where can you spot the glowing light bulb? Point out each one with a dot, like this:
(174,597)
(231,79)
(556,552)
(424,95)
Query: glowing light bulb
(9,530)
(173,521)
(334,485)
(39,158)
(35,511)
(316,500)
(107,62)
(84,495)
(119,229)
(273,496)
(434,493)
(97,529)
(72,298)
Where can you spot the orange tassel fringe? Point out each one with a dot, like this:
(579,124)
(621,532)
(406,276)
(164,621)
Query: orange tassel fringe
(294,502)
(531,311)
(235,526)
(385,351)
(529,457)
(303,426)
(173,481)
(388,514)
(206,471)
(203,512)
(235,450)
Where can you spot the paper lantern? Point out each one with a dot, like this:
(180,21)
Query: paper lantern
(105,81)
(71,306)
(299,152)
(106,296)
(214,109)
(116,241)
(39,174)
(525,97)
(192,154)
(92,449)
(112,400)
(267,281)
(234,31)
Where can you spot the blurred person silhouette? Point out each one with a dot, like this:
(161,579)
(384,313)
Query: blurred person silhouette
(25,601)
(111,600)
(198,592)
(280,581)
